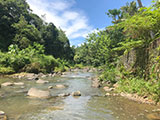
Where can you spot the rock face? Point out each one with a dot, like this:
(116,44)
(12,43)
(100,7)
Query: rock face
(77,93)
(3,116)
(18,83)
(7,84)
(33,92)
(60,86)
(42,81)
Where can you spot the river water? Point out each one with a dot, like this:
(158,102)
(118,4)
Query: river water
(92,105)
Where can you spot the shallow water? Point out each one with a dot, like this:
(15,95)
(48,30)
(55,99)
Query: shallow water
(90,106)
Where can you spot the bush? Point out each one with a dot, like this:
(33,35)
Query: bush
(6,70)
(141,87)
(110,75)
(79,66)
(31,59)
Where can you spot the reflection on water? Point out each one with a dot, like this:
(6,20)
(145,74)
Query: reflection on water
(89,106)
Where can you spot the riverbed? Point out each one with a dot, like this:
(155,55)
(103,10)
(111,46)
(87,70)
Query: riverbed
(91,105)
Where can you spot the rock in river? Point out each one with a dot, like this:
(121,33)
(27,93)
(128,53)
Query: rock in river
(95,83)
(18,83)
(42,81)
(64,95)
(7,84)
(77,93)
(50,87)
(33,92)
(60,86)
(3,116)
(107,89)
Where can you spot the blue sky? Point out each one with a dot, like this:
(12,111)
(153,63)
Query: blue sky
(78,17)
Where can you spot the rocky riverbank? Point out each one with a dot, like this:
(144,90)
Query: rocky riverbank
(112,90)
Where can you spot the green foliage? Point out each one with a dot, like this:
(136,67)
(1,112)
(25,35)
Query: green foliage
(110,75)
(141,87)
(30,59)
(6,70)
(26,34)
(18,25)
(79,66)
(127,49)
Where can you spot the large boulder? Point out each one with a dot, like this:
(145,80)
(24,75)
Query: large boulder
(42,81)
(7,84)
(33,92)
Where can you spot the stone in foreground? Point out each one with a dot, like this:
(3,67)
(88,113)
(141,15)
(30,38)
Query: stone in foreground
(77,93)
(7,84)
(33,92)
(3,116)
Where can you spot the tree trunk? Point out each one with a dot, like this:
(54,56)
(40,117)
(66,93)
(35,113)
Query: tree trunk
(140,3)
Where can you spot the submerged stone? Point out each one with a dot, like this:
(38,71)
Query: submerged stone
(7,84)
(42,81)
(18,83)
(60,86)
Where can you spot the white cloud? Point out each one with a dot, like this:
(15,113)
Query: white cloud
(61,13)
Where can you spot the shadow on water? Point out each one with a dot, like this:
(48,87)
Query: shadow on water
(90,106)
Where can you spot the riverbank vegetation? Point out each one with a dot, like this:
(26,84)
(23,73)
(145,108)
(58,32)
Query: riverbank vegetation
(28,43)
(127,51)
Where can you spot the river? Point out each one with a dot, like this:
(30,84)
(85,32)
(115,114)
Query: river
(92,105)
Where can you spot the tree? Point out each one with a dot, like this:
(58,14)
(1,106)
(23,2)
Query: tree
(26,34)
(10,11)
(115,14)
(140,3)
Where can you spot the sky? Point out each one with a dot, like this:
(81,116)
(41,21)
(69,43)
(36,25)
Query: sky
(77,17)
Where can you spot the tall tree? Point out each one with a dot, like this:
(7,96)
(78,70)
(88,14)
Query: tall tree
(140,3)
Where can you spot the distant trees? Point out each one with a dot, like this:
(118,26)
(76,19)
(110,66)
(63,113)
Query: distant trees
(123,13)
(18,25)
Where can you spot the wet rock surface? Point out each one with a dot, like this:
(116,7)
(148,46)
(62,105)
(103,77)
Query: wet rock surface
(42,81)
(95,82)
(77,93)
(3,116)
